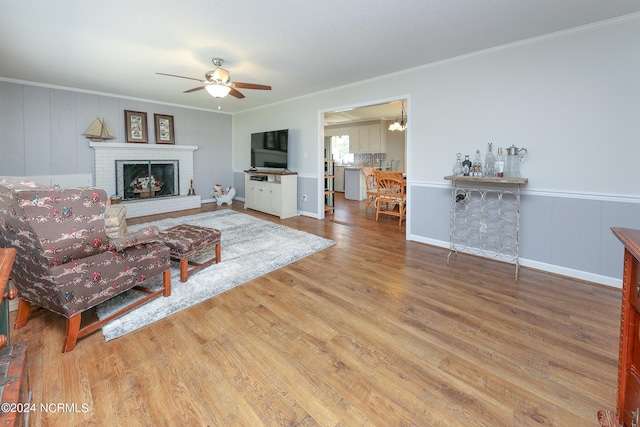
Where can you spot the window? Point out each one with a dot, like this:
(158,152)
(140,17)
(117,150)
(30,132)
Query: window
(340,149)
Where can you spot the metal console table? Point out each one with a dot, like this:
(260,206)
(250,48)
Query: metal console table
(485,217)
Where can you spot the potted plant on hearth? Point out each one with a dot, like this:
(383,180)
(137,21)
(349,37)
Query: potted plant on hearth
(146,185)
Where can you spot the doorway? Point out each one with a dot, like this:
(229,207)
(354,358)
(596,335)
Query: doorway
(352,121)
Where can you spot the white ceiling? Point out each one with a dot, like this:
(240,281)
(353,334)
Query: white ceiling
(387,111)
(296,46)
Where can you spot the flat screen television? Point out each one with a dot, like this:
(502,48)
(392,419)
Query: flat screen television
(270,149)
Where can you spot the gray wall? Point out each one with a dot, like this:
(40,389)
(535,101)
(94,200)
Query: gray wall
(42,132)
(572,99)
(563,233)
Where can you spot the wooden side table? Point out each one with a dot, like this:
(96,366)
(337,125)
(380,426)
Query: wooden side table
(628,401)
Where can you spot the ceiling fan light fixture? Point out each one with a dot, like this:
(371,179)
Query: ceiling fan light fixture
(219,75)
(218,82)
(218,90)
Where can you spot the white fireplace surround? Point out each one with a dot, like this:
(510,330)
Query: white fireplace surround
(106,154)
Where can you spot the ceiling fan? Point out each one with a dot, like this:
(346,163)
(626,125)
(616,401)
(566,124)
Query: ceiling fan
(218,83)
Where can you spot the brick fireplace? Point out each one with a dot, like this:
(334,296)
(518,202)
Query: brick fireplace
(106,155)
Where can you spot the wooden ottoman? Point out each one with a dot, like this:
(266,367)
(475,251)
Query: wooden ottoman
(187,241)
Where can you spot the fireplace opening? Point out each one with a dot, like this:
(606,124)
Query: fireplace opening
(145,179)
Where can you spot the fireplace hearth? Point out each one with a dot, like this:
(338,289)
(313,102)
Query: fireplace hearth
(145,179)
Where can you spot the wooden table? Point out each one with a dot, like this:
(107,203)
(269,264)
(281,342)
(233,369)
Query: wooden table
(628,402)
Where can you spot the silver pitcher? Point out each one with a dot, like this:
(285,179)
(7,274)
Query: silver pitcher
(515,155)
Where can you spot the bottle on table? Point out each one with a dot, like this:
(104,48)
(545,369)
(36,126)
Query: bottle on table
(499,164)
(489,163)
(466,165)
(457,168)
(477,165)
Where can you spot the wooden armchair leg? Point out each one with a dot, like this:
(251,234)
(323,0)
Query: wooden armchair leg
(24,309)
(166,282)
(71,336)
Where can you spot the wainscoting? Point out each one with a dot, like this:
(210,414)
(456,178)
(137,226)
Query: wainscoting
(64,181)
(562,233)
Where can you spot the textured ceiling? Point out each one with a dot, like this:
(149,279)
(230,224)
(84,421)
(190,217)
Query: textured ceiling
(298,47)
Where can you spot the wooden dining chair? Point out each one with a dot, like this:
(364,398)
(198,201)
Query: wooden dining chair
(391,194)
(372,187)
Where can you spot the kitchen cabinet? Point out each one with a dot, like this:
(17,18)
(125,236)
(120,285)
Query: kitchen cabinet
(374,139)
(365,138)
(354,140)
(339,178)
(336,131)
(368,139)
(354,185)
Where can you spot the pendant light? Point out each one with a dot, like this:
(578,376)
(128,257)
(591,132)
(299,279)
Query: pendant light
(400,124)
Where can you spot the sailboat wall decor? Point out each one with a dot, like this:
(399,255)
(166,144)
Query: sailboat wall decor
(99,131)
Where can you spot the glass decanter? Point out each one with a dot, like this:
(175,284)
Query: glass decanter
(466,165)
(477,165)
(489,163)
(457,169)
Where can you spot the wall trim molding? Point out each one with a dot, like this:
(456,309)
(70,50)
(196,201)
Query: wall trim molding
(110,95)
(549,268)
(601,197)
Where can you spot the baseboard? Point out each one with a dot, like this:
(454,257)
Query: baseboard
(309,214)
(550,268)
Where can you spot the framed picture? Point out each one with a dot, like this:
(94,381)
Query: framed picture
(135,124)
(164,129)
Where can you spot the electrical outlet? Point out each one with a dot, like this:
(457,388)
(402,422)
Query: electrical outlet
(304,198)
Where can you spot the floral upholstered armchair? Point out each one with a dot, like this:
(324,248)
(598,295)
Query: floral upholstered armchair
(65,261)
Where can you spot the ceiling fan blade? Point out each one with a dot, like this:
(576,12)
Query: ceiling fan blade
(250,86)
(194,89)
(181,77)
(235,93)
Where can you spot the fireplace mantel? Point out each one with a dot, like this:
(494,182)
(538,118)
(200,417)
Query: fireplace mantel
(106,154)
(132,146)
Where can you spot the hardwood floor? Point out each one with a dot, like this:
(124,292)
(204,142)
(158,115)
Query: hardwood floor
(374,330)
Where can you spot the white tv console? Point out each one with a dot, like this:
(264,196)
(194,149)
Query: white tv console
(272,192)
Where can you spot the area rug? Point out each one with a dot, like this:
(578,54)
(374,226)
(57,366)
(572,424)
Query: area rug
(251,247)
